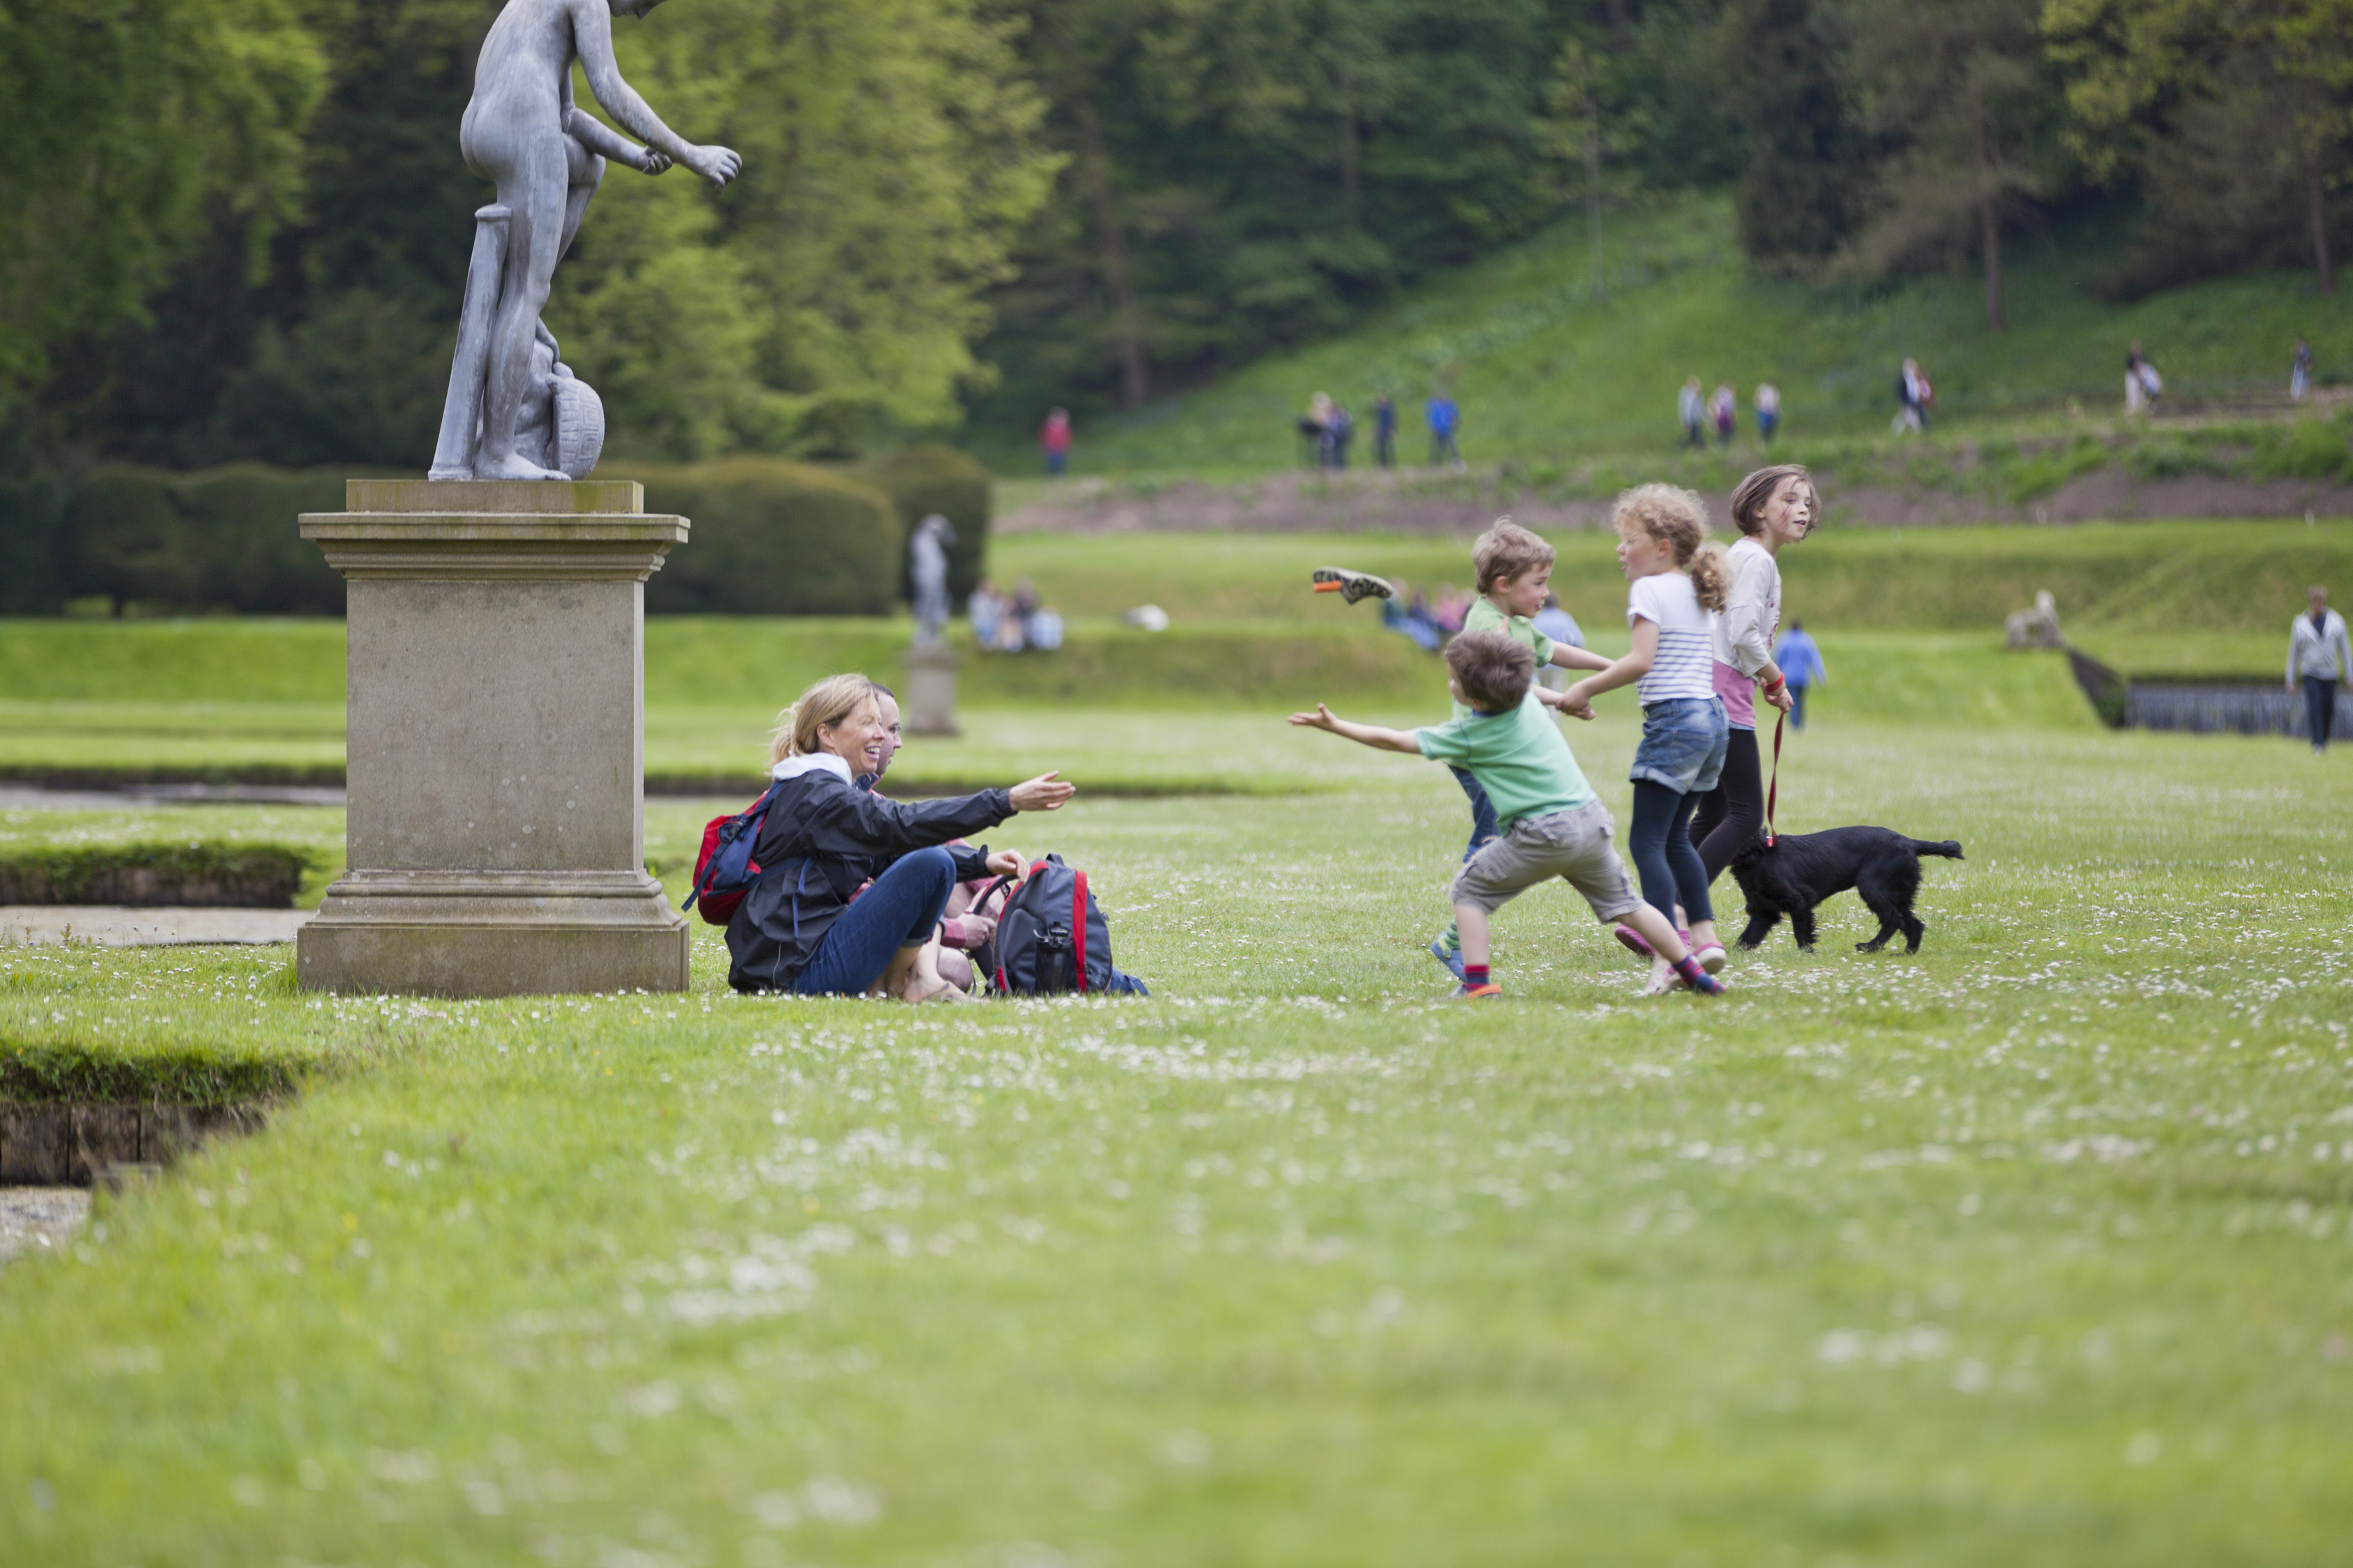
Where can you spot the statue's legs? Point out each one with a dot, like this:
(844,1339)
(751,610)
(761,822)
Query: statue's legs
(588,171)
(535,187)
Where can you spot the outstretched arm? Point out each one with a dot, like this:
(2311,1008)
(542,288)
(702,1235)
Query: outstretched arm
(1568,658)
(1625,672)
(592,40)
(603,140)
(1363,734)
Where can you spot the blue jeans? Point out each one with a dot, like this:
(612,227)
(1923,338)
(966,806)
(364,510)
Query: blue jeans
(901,910)
(1483,830)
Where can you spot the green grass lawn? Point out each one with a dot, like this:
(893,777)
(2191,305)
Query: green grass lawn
(1545,373)
(2035,1249)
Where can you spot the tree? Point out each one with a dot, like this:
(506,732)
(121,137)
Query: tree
(832,296)
(133,123)
(2236,115)
(1798,190)
(1954,89)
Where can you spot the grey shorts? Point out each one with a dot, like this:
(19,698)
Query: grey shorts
(1571,844)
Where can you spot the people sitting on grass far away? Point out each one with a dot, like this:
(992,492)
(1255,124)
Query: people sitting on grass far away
(1002,625)
(853,886)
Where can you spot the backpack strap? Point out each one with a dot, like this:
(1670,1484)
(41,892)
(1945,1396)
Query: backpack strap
(1079,927)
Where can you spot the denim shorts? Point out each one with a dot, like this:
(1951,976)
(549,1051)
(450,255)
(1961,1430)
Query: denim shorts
(1683,739)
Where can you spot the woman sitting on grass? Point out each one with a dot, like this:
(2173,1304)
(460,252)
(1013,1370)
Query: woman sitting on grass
(797,930)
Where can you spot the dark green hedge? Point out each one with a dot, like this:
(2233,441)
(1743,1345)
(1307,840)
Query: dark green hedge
(224,539)
(772,538)
(922,480)
(211,875)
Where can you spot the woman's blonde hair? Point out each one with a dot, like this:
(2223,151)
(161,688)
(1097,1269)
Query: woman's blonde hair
(825,705)
(1677,517)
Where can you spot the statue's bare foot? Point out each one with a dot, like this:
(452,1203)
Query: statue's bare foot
(514,466)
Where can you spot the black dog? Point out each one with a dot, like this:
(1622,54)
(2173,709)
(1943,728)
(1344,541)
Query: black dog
(1800,870)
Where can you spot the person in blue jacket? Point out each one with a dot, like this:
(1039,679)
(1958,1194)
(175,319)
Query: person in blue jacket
(1801,666)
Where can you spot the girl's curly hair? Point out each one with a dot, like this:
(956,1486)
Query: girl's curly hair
(1678,517)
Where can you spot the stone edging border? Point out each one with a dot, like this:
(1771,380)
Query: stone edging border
(94,1143)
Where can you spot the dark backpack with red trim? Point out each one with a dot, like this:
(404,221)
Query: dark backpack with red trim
(725,871)
(1053,938)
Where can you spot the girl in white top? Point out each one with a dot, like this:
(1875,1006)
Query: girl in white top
(1677,589)
(1773,507)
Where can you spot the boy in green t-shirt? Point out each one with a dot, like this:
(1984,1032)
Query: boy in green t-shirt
(1514,569)
(1553,824)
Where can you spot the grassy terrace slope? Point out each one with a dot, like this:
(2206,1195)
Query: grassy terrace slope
(1909,619)
(1547,373)
(2032,1251)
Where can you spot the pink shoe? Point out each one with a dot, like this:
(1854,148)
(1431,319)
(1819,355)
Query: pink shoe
(1634,942)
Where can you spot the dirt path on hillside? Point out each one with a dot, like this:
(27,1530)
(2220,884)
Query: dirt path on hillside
(1444,504)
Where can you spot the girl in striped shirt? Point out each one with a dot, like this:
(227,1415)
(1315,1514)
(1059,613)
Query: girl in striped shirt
(1677,589)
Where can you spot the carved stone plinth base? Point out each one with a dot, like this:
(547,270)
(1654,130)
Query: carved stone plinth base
(495,743)
(928,707)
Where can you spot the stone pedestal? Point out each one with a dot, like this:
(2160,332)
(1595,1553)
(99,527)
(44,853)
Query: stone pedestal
(928,705)
(495,743)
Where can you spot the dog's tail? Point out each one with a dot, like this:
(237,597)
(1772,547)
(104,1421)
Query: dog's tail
(1950,848)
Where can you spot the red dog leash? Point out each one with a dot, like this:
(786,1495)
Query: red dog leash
(1773,794)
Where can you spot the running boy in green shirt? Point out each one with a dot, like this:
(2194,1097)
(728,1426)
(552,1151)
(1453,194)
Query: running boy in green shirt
(1553,824)
(1515,572)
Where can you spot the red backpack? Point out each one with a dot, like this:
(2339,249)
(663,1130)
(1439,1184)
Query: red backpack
(725,871)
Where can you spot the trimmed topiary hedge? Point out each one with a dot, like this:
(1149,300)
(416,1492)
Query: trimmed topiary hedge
(770,537)
(921,480)
(773,538)
(214,875)
(222,539)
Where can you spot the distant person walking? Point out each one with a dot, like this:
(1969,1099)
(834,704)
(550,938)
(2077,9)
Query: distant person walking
(2318,657)
(1445,422)
(2299,375)
(1913,396)
(1726,410)
(2142,383)
(1801,666)
(1385,431)
(1691,407)
(1768,411)
(1054,437)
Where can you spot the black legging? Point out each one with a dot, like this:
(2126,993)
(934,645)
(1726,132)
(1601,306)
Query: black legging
(1660,843)
(1730,814)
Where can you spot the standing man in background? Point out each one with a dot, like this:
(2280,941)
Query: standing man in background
(1445,423)
(1054,436)
(2318,657)
(1385,431)
(1800,663)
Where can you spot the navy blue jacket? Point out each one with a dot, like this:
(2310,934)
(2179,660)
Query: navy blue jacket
(822,839)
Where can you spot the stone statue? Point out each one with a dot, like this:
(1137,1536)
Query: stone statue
(514,411)
(2037,627)
(928,565)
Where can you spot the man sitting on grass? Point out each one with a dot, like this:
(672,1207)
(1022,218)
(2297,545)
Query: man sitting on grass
(1553,824)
